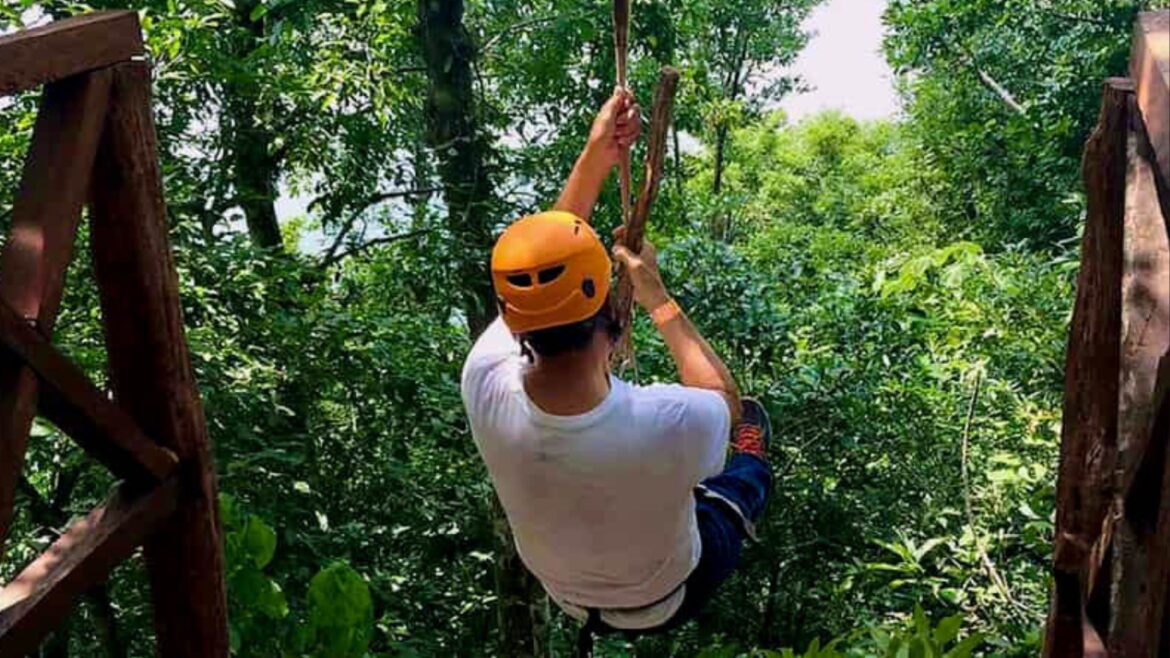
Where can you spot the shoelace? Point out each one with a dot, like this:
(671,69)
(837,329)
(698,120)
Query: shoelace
(749,439)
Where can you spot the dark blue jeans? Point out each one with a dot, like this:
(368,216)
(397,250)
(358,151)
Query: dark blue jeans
(746,481)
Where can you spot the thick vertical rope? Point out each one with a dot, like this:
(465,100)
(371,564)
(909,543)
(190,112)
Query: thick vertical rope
(621,46)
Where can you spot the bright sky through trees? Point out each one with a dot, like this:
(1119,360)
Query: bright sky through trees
(843,63)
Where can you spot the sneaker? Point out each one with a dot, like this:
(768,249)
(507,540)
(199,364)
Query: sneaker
(754,432)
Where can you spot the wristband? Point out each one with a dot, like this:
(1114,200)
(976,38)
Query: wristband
(665,312)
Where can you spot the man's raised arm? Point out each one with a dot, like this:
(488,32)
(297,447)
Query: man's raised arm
(615,129)
(698,365)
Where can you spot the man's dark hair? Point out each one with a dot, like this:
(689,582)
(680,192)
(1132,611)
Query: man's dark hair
(574,337)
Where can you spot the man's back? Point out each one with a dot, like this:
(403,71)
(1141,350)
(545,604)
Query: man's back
(601,503)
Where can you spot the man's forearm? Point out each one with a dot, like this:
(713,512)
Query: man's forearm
(698,365)
(584,185)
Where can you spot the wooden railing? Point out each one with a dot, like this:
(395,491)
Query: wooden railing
(94,145)
(1111,594)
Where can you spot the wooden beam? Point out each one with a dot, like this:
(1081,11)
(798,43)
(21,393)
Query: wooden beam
(1141,556)
(67,47)
(70,401)
(1085,485)
(36,601)
(40,245)
(660,118)
(150,370)
(1150,69)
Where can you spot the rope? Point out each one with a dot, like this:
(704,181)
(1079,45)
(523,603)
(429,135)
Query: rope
(621,46)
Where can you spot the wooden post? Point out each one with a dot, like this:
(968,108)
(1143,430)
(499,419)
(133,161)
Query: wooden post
(1140,569)
(1084,488)
(1112,563)
(32,268)
(1150,69)
(150,371)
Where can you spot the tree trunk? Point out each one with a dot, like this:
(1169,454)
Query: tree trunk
(770,603)
(679,174)
(464,158)
(721,222)
(57,646)
(463,153)
(106,621)
(255,167)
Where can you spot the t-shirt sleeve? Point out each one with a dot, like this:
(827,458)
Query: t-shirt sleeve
(708,422)
(491,350)
(703,424)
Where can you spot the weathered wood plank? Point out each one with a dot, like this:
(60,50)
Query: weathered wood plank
(660,118)
(1089,433)
(150,371)
(32,267)
(1141,556)
(36,601)
(1150,69)
(69,400)
(67,47)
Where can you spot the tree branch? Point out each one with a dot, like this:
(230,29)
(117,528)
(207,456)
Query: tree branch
(968,60)
(968,502)
(366,205)
(336,258)
(1004,94)
(520,25)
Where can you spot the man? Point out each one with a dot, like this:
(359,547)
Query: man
(616,493)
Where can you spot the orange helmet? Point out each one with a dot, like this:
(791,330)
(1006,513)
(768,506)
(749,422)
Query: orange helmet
(549,270)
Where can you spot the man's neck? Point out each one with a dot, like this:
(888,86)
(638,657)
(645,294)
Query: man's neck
(567,385)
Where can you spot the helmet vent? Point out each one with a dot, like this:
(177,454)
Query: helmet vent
(588,288)
(520,280)
(549,275)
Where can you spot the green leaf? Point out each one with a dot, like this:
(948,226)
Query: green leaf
(259,542)
(341,612)
(921,623)
(256,592)
(966,647)
(948,629)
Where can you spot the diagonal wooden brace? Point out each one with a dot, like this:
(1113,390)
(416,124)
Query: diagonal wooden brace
(71,402)
(39,598)
(47,209)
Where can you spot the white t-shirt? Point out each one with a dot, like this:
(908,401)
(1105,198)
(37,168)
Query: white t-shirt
(601,503)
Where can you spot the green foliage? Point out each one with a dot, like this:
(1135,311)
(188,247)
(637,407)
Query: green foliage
(915,637)
(1010,174)
(341,613)
(257,601)
(335,621)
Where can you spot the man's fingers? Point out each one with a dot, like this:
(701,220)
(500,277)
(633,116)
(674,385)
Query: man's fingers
(624,256)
